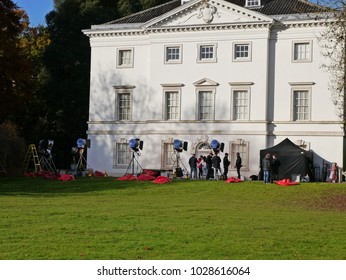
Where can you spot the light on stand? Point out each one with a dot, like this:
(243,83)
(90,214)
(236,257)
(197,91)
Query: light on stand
(216,146)
(178,146)
(81,145)
(46,157)
(50,147)
(135,144)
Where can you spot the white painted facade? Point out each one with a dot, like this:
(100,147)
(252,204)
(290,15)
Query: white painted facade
(251,98)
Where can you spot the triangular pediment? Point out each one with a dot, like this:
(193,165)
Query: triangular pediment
(205,82)
(206,12)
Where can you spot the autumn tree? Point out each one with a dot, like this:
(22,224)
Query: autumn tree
(333,43)
(33,119)
(15,84)
(44,71)
(67,66)
(15,67)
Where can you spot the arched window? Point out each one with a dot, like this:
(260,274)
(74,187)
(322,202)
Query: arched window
(202,149)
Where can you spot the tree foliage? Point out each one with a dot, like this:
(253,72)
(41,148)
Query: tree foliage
(67,60)
(44,71)
(15,67)
(333,42)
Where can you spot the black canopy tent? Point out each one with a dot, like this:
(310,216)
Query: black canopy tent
(294,160)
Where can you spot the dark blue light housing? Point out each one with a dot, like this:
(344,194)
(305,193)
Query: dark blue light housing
(216,146)
(179,145)
(135,144)
(81,143)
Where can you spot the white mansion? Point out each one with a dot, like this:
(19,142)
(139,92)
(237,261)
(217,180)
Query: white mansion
(246,73)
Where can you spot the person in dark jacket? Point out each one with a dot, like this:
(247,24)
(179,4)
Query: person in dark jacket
(238,164)
(216,160)
(226,164)
(275,168)
(209,163)
(266,166)
(193,166)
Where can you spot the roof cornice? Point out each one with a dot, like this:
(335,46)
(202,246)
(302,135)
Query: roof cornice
(170,29)
(110,32)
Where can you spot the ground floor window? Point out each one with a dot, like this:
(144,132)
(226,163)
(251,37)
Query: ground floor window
(167,155)
(242,147)
(122,154)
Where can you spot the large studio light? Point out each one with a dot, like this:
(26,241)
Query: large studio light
(45,147)
(216,146)
(81,143)
(136,144)
(42,147)
(179,145)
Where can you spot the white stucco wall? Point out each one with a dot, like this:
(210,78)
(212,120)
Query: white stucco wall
(271,75)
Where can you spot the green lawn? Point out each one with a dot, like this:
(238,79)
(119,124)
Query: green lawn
(102,218)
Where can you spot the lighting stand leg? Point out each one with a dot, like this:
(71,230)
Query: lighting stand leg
(80,163)
(47,165)
(77,165)
(132,164)
(187,171)
(2,169)
(177,163)
(86,163)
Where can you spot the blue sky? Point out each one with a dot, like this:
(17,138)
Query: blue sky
(36,9)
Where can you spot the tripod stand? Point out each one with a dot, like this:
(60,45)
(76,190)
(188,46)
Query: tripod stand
(2,169)
(47,163)
(176,164)
(80,166)
(132,163)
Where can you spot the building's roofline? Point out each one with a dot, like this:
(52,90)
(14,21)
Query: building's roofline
(268,8)
(127,24)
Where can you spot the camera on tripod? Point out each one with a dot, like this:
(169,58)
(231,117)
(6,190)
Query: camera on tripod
(45,148)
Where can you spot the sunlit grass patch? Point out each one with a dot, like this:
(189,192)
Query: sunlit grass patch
(102,218)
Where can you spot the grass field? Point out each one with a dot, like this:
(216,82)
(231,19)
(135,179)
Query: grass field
(102,218)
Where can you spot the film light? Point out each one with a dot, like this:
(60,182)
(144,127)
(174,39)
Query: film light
(179,145)
(136,144)
(216,146)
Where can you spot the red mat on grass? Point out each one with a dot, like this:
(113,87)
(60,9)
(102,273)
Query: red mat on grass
(233,180)
(286,182)
(66,177)
(161,180)
(145,177)
(127,177)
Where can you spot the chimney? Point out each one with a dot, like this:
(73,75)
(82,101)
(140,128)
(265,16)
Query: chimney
(184,1)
